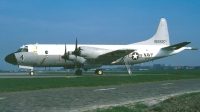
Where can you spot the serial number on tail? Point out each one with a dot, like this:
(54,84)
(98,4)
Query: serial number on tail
(160,41)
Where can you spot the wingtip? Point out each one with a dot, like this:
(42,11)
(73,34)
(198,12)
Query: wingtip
(191,48)
(188,42)
(194,48)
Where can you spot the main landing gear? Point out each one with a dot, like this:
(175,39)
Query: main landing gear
(99,72)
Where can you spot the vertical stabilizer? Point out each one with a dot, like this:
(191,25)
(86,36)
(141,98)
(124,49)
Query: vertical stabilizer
(161,36)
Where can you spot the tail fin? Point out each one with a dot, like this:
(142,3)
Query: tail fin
(161,36)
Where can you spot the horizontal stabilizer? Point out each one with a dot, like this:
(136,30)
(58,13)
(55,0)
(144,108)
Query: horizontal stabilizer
(194,48)
(191,48)
(176,46)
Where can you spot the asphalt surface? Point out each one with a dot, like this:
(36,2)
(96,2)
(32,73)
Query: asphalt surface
(85,98)
(58,74)
(37,75)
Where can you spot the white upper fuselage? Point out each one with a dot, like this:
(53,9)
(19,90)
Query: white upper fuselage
(59,49)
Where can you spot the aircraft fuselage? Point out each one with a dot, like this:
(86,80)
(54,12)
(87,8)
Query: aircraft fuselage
(50,55)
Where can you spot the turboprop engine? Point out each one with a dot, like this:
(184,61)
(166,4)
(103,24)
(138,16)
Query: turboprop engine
(70,56)
(90,52)
(74,58)
(81,55)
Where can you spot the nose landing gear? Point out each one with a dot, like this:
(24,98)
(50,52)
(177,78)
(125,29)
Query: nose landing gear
(31,73)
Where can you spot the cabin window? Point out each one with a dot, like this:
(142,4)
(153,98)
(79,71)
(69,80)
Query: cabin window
(46,52)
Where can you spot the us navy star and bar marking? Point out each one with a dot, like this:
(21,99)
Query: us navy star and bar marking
(135,55)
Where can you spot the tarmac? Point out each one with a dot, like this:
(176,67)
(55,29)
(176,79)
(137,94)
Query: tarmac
(58,74)
(37,75)
(75,99)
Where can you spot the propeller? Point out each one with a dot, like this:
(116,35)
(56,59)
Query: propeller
(76,51)
(65,56)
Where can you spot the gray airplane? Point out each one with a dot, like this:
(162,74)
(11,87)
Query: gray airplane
(95,56)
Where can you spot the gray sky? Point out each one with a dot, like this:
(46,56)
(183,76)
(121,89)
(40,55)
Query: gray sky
(98,22)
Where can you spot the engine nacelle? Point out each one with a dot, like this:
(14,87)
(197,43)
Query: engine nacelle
(74,58)
(91,52)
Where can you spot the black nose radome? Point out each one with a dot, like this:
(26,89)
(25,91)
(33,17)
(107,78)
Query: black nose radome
(11,58)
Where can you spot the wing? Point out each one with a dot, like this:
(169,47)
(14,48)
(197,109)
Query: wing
(101,55)
(109,57)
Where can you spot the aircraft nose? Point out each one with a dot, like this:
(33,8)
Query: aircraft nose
(11,58)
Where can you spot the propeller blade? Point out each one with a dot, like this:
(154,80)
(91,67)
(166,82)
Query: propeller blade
(65,49)
(65,54)
(76,45)
(76,51)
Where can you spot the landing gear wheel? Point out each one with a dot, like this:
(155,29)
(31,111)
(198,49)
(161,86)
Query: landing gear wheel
(31,73)
(99,72)
(78,72)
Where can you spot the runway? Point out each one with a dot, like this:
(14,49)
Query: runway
(37,75)
(85,98)
(51,75)
(59,74)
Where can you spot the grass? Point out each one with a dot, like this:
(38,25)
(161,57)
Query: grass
(182,103)
(123,108)
(24,84)
(116,109)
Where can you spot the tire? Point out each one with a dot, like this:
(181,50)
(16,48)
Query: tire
(31,73)
(99,72)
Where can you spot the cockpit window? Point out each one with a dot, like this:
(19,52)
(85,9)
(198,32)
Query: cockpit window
(19,50)
(23,49)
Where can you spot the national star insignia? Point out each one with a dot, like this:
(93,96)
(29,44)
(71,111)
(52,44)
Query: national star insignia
(135,56)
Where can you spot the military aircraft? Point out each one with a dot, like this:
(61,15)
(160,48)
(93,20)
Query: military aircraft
(95,56)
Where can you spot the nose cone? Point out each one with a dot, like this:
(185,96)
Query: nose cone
(11,59)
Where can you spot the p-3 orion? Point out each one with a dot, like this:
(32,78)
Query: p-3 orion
(95,56)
